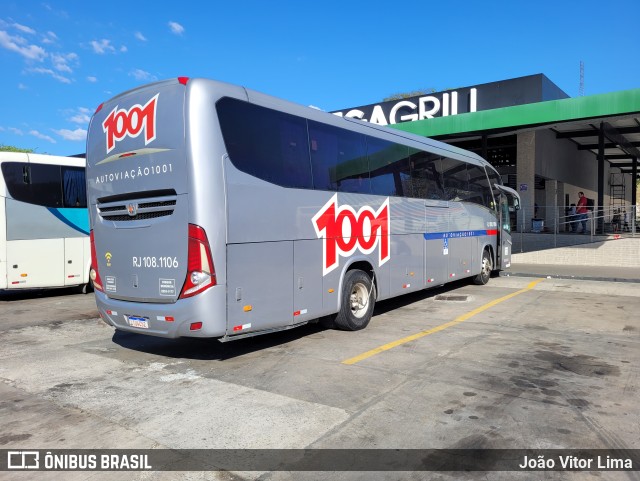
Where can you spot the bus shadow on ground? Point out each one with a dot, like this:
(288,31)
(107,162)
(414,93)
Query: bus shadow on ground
(9,295)
(211,349)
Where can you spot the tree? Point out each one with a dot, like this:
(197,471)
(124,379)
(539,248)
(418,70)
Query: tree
(11,148)
(414,93)
(408,95)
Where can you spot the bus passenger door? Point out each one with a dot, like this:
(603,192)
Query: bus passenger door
(259,286)
(509,200)
(436,243)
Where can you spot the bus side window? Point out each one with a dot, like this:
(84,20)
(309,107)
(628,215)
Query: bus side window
(74,188)
(479,188)
(265,143)
(390,169)
(323,147)
(426,175)
(456,180)
(16,176)
(44,187)
(295,168)
(494,178)
(338,159)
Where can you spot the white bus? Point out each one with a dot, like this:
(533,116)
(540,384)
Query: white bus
(217,211)
(44,223)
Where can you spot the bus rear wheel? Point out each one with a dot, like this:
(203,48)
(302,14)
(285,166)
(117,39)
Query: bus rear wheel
(84,288)
(487,267)
(88,287)
(358,300)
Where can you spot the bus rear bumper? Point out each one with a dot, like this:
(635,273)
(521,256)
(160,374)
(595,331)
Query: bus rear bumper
(180,319)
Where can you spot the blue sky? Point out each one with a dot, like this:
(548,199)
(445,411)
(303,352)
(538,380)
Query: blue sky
(61,59)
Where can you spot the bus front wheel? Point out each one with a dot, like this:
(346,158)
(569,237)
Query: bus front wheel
(487,267)
(358,300)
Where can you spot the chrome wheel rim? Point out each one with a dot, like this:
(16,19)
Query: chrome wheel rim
(486,266)
(359,300)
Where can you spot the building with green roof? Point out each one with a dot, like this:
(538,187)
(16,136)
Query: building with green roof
(545,144)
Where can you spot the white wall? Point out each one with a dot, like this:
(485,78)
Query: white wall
(578,169)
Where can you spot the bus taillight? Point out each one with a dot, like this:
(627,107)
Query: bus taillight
(95,276)
(201,273)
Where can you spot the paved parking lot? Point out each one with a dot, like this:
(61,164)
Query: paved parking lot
(519,363)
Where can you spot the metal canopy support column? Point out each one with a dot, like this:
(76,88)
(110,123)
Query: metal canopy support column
(634,181)
(629,148)
(634,194)
(599,205)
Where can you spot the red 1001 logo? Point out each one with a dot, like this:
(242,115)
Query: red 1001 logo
(121,123)
(344,231)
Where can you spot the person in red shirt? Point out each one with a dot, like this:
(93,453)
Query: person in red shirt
(581,211)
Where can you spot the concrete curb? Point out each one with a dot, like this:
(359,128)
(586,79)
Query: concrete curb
(568,276)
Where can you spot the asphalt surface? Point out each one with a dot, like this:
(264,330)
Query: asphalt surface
(519,363)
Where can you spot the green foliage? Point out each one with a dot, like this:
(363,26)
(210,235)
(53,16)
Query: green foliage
(407,95)
(11,148)
(414,93)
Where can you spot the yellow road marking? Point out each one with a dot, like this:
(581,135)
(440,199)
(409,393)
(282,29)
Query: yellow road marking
(439,328)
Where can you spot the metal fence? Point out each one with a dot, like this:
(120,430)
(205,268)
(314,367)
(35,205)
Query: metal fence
(541,227)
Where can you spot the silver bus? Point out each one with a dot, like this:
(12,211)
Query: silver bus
(218,211)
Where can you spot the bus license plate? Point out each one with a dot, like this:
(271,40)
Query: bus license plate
(140,322)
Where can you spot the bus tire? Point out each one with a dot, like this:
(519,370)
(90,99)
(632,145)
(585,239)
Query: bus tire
(88,287)
(485,272)
(328,322)
(358,301)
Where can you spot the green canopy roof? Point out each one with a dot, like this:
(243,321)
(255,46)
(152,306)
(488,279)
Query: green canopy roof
(553,111)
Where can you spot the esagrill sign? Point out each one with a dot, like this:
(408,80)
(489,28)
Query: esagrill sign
(416,108)
(505,93)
